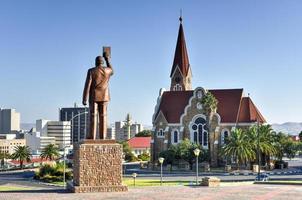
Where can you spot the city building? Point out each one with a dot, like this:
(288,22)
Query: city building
(180,112)
(79,118)
(140,145)
(111,133)
(124,130)
(119,130)
(9,121)
(8,143)
(61,131)
(41,126)
(36,142)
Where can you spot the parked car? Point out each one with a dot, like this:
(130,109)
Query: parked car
(262,177)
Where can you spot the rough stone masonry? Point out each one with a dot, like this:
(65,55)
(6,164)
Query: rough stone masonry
(97,168)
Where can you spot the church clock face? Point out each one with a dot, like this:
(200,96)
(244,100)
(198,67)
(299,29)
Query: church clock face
(177,79)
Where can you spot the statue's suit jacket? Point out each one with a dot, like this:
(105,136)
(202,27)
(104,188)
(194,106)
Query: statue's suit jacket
(97,84)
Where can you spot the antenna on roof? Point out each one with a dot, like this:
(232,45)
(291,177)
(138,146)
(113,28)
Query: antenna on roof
(248,94)
(180,17)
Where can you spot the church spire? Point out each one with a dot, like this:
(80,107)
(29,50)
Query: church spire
(180,73)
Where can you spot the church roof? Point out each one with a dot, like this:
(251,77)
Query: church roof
(181,58)
(249,112)
(232,106)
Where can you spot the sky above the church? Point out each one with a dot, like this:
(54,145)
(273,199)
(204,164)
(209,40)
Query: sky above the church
(46,48)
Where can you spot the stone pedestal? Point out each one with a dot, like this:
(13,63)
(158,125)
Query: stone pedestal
(97,167)
(210,181)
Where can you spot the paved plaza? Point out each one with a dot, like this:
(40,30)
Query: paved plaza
(256,192)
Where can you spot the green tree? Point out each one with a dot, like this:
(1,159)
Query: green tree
(280,142)
(170,155)
(185,151)
(209,103)
(300,136)
(127,152)
(145,156)
(290,149)
(144,133)
(3,156)
(22,153)
(239,147)
(50,152)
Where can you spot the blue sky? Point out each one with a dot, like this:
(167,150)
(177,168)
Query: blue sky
(46,48)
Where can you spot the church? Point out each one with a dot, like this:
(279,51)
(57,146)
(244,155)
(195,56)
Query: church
(179,113)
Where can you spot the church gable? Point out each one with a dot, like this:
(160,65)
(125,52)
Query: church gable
(172,105)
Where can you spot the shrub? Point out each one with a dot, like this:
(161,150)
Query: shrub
(54,173)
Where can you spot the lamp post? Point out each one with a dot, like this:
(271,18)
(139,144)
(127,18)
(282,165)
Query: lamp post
(71,124)
(196,152)
(134,176)
(258,137)
(161,161)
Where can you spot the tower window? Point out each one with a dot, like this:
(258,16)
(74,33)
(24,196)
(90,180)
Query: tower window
(160,133)
(177,87)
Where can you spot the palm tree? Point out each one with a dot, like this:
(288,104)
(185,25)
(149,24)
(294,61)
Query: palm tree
(266,140)
(209,103)
(50,152)
(22,153)
(238,145)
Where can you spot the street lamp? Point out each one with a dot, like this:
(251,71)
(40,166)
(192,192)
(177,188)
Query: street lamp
(134,176)
(161,161)
(258,152)
(196,152)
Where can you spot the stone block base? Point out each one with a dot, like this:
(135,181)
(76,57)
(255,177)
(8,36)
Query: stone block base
(86,189)
(97,167)
(210,182)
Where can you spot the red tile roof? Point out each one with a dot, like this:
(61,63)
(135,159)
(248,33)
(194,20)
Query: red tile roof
(181,58)
(249,112)
(232,107)
(173,104)
(228,103)
(139,142)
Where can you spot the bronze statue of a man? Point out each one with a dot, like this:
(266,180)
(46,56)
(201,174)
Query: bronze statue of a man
(97,88)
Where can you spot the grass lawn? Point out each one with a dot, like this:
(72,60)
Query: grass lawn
(4,188)
(156,182)
(148,182)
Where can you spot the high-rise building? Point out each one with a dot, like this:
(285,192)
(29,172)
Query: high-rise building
(111,133)
(60,130)
(79,121)
(9,121)
(119,130)
(41,126)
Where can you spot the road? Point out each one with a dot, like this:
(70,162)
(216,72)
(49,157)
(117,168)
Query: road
(23,178)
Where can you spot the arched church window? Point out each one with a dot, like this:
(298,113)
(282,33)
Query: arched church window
(175,136)
(200,133)
(224,135)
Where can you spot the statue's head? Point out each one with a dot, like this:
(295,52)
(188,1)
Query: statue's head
(99,61)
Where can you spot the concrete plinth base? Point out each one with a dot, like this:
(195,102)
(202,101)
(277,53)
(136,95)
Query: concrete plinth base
(97,167)
(210,181)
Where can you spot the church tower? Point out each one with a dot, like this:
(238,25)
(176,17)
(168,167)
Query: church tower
(181,75)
